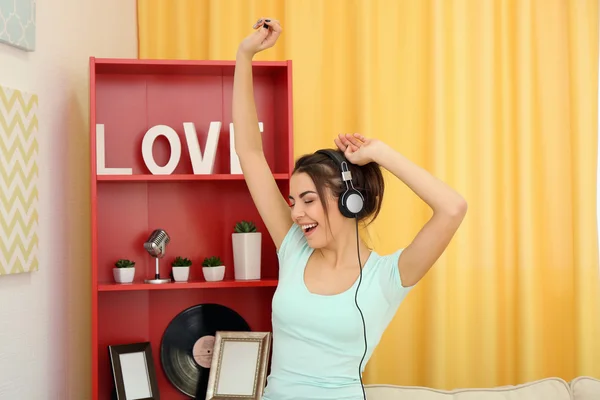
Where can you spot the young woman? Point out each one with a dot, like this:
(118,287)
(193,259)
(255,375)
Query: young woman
(335,296)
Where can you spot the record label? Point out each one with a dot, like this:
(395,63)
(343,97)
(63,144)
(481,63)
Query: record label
(203,350)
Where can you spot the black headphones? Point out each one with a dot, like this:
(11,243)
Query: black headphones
(351,202)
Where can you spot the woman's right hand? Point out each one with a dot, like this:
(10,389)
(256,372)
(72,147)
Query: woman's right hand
(261,39)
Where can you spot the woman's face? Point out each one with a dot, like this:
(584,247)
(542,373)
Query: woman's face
(308,213)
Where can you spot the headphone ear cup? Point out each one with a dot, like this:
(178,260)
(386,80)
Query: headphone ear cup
(341,205)
(351,203)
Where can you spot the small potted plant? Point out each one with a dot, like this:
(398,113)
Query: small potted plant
(124,271)
(181,269)
(246,242)
(213,269)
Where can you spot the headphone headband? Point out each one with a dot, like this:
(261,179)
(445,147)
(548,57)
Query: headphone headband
(351,202)
(334,155)
(341,161)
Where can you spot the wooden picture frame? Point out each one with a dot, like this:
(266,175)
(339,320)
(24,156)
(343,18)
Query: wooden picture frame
(239,365)
(133,371)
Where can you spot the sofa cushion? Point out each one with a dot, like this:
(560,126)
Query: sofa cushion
(544,389)
(585,388)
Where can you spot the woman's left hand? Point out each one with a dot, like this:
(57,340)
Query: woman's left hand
(358,149)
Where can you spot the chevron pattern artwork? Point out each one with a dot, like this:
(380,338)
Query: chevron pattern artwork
(18,182)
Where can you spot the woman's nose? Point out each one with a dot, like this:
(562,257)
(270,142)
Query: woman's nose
(297,212)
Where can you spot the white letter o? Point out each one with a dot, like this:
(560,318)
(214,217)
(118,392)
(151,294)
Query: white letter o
(148,143)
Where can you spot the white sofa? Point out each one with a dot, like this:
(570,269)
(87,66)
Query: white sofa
(581,388)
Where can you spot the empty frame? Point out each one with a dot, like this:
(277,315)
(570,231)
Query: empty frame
(239,365)
(133,371)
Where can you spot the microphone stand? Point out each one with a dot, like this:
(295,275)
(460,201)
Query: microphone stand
(157,279)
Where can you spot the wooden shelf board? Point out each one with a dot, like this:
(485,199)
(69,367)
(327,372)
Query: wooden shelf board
(180,67)
(228,283)
(178,177)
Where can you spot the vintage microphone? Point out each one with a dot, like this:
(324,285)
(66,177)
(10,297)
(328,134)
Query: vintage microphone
(156,247)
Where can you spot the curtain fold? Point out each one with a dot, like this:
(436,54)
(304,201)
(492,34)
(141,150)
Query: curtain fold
(498,99)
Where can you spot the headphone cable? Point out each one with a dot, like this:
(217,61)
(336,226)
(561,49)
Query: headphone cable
(360,311)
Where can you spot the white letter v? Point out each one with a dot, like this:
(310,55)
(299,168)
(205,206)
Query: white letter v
(202,164)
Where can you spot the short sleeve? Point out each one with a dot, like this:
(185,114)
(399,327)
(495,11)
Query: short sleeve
(293,242)
(389,278)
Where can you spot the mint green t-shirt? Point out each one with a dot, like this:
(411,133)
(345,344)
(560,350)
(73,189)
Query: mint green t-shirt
(318,339)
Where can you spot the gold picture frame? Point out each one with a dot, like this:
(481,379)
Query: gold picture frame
(239,365)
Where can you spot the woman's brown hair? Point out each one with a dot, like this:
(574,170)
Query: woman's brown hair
(326,174)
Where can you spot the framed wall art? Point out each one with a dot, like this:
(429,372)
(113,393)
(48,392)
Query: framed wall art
(17,23)
(18,181)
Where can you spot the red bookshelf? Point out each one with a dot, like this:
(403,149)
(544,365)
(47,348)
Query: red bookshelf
(128,97)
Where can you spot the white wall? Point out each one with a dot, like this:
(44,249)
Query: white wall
(44,316)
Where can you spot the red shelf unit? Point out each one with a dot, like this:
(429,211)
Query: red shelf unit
(128,97)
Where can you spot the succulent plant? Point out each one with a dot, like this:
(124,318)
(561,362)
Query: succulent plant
(213,261)
(245,227)
(124,263)
(181,262)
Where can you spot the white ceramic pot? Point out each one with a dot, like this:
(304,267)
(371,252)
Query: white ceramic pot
(124,275)
(181,274)
(246,255)
(212,274)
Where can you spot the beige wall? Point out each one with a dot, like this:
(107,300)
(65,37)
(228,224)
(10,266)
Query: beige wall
(44,316)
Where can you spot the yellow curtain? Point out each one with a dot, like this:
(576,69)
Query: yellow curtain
(497,98)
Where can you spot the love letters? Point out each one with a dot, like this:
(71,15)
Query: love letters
(202,163)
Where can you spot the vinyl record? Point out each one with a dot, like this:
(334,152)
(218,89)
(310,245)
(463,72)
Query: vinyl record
(186,348)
